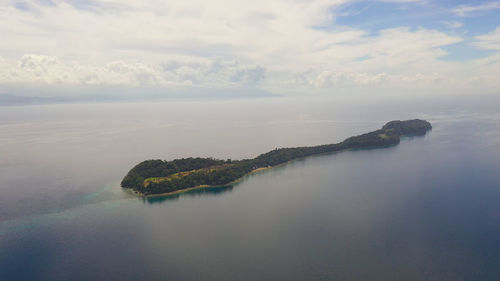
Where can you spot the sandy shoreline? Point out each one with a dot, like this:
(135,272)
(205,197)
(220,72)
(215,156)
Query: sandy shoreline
(251,172)
(233,182)
(198,186)
(286,162)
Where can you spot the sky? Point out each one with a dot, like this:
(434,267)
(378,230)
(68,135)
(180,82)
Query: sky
(284,47)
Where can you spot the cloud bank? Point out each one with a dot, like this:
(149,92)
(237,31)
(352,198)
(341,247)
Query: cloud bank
(280,46)
(39,69)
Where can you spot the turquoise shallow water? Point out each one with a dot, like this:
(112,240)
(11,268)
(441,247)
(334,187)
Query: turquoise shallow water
(426,209)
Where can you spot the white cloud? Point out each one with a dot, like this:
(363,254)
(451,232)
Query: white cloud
(39,69)
(218,43)
(489,41)
(398,49)
(452,24)
(330,79)
(404,1)
(466,10)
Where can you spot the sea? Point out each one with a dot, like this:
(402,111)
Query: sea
(426,209)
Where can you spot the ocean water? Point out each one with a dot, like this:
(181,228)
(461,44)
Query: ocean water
(426,209)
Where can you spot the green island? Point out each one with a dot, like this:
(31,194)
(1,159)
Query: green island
(154,177)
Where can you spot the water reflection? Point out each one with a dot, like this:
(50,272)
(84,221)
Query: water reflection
(213,190)
(207,191)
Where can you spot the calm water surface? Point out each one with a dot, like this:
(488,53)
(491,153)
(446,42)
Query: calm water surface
(427,209)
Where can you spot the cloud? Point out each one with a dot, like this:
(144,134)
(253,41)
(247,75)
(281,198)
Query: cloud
(215,44)
(328,79)
(489,41)
(452,24)
(49,70)
(392,49)
(331,79)
(467,10)
(404,1)
(160,30)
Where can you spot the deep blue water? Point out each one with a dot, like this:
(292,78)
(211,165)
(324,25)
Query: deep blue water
(427,209)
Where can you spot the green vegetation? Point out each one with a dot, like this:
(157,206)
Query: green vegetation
(158,176)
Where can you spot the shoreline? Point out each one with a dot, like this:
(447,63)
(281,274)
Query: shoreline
(200,186)
(134,192)
(389,135)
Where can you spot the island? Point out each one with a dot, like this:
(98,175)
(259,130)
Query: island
(154,177)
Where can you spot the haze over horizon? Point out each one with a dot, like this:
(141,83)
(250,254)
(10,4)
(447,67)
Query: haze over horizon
(151,48)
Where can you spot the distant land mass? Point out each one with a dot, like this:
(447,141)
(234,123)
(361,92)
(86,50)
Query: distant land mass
(153,177)
(91,94)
